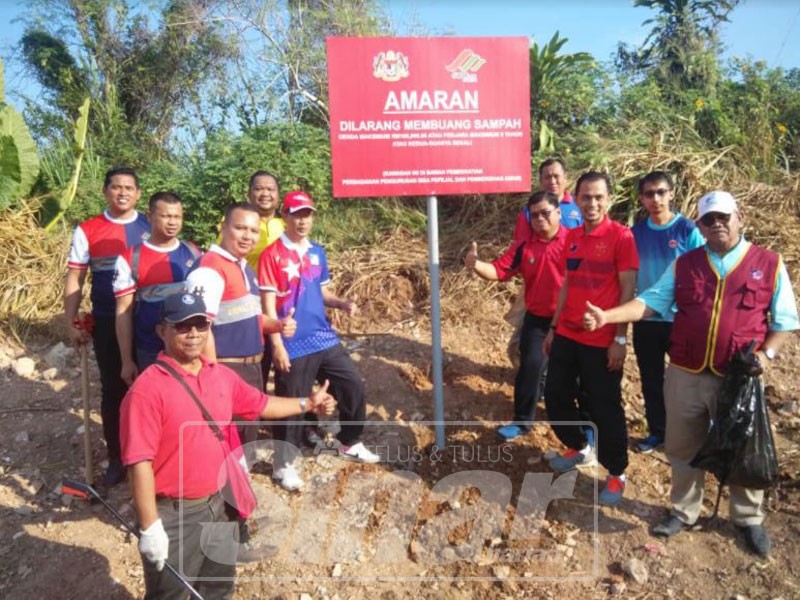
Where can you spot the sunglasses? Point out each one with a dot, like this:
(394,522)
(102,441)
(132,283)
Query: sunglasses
(710,218)
(545,214)
(654,193)
(200,324)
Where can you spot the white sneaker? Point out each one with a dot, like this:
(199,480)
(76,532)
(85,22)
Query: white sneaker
(288,478)
(359,452)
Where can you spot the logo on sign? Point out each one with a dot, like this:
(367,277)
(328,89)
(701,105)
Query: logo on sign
(466,65)
(390,66)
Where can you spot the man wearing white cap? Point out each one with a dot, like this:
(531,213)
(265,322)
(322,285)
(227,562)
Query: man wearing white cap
(727,293)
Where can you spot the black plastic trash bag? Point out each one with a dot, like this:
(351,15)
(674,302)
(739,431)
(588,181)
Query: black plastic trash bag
(739,448)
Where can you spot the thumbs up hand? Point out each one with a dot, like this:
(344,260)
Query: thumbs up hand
(594,317)
(288,324)
(322,403)
(472,256)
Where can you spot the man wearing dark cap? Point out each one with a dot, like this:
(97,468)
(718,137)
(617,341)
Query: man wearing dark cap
(293,278)
(176,460)
(727,293)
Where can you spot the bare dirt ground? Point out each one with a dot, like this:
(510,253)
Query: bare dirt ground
(336,539)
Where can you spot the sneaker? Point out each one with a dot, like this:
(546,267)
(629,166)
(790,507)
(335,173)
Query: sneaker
(511,432)
(669,527)
(650,443)
(572,459)
(288,478)
(359,453)
(115,473)
(612,492)
(757,540)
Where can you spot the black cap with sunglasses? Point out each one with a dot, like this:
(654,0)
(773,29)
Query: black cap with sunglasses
(182,306)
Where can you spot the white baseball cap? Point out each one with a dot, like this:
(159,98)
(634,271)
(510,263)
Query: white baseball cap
(716,201)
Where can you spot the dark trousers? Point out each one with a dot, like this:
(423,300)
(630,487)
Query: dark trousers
(266,361)
(113,388)
(346,385)
(529,383)
(190,552)
(601,395)
(251,373)
(651,342)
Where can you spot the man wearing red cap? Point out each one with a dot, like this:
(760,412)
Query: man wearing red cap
(727,293)
(293,276)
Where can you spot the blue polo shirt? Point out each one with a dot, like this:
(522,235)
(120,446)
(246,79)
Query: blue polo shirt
(659,246)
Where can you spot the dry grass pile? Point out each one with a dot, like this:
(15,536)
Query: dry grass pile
(391,279)
(31,270)
(394,274)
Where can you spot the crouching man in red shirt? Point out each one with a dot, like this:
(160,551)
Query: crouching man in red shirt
(174,469)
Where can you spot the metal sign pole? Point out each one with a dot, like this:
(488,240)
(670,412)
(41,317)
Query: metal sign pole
(436,319)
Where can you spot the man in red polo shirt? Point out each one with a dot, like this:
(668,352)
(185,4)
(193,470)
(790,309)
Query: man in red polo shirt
(539,261)
(175,467)
(600,260)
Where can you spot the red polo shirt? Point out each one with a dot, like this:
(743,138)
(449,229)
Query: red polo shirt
(593,262)
(154,417)
(540,263)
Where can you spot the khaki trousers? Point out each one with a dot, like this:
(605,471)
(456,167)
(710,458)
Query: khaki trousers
(690,400)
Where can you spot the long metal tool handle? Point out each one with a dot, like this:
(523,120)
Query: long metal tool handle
(88,491)
(87,436)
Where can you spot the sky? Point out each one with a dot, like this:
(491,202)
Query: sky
(759,29)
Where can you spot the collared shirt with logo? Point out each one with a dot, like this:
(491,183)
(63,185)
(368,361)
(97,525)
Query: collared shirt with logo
(228,287)
(539,262)
(659,246)
(160,272)
(96,244)
(593,263)
(296,273)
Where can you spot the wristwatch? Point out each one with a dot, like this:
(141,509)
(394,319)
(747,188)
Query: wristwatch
(303,404)
(621,340)
(770,353)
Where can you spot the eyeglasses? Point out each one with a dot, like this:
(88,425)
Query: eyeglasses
(545,214)
(709,219)
(200,324)
(654,193)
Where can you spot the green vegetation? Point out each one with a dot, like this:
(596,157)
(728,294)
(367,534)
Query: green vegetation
(19,161)
(198,95)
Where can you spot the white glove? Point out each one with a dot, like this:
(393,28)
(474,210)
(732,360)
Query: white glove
(154,544)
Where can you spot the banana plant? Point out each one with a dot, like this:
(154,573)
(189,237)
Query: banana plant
(19,159)
(548,68)
(67,195)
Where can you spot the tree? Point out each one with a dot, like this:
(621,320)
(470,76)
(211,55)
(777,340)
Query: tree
(549,70)
(141,68)
(284,70)
(681,50)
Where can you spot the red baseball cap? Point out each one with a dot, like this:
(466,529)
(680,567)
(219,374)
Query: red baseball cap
(294,201)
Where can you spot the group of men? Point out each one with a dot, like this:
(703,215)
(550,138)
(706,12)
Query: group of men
(696,291)
(182,335)
(173,325)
